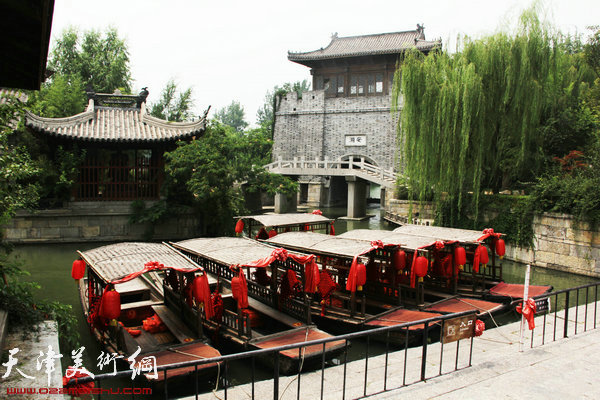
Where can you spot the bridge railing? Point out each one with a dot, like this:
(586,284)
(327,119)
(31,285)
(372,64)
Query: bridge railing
(352,163)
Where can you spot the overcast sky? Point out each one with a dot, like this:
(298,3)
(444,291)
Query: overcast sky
(237,50)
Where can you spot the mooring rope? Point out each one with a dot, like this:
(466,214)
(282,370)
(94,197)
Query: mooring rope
(301,365)
(202,358)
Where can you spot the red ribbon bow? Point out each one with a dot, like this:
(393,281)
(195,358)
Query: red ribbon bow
(528,310)
(280,254)
(378,244)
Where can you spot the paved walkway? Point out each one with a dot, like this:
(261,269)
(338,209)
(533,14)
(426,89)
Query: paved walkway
(565,368)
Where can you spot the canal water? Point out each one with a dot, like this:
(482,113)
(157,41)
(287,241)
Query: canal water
(50,266)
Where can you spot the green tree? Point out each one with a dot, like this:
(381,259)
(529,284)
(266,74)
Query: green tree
(471,120)
(207,174)
(17,171)
(171,107)
(233,116)
(62,97)
(101,61)
(592,50)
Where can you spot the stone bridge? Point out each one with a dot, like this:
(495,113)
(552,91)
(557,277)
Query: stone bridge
(357,172)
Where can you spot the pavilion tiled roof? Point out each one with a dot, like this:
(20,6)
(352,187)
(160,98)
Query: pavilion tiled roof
(115,124)
(367,45)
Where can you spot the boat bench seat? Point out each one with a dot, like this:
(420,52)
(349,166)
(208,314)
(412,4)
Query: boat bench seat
(138,304)
(174,324)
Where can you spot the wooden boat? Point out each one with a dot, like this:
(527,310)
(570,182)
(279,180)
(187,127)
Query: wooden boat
(124,267)
(264,226)
(347,310)
(267,316)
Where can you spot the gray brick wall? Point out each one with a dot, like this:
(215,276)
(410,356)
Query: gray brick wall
(315,126)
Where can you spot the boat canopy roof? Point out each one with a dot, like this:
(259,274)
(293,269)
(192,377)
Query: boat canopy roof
(116,261)
(229,250)
(409,242)
(320,243)
(286,219)
(442,233)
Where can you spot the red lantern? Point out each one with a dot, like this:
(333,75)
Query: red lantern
(78,269)
(110,304)
(460,256)
(399,260)
(421,265)
(332,230)
(484,257)
(361,275)
(272,233)
(239,290)
(239,226)
(500,248)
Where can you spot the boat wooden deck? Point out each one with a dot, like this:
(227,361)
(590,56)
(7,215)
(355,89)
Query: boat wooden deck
(458,304)
(401,316)
(174,324)
(515,291)
(298,336)
(189,352)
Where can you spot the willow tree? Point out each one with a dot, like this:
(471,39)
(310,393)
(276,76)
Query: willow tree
(470,120)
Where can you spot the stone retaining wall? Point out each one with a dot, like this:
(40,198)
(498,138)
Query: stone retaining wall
(93,221)
(560,243)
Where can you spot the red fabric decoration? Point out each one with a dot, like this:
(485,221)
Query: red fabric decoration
(317,212)
(479,327)
(528,311)
(152,266)
(306,228)
(311,277)
(71,377)
(154,324)
(460,256)
(239,226)
(500,248)
(476,258)
(421,265)
(201,292)
(326,287)
(272,233)
(239,289)
(78,269)
(399,260)
(217,301)
(331,230)
(110,304)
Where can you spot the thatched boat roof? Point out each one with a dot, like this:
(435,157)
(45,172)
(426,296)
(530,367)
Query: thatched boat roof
(311,242)
(410,242)
(273,220)
(115,261)
(442,233)
(227,250)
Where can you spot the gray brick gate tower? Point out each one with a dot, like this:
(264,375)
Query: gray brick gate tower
(340,138)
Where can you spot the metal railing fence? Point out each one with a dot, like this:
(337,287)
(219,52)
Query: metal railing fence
(398,353)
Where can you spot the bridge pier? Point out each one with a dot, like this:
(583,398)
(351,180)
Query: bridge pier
(285,204)
(357,197)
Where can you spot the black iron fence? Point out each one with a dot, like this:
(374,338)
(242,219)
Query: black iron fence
(564,313)
(406,354)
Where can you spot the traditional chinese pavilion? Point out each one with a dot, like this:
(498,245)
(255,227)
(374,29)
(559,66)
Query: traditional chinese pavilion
(124,145)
